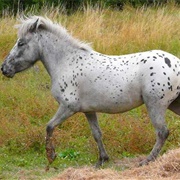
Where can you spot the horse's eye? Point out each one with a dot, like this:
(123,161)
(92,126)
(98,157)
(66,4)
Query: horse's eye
(20,43)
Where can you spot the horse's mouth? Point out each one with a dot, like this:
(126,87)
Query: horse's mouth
(8,74)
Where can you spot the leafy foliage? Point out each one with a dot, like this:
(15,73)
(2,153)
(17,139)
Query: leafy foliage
(69,154)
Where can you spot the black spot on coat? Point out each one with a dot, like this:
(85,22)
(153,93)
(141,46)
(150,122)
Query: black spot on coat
(167,61)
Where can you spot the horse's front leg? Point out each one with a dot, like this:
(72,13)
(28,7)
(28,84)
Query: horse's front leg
(62,114)
(93,122)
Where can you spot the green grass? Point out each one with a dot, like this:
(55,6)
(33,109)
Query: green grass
(32,164)
(26,104)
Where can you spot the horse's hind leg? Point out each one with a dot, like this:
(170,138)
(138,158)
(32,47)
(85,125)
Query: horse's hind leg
(92,119)
(157,116)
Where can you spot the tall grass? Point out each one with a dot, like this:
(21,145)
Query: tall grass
(26,104)
(132,30)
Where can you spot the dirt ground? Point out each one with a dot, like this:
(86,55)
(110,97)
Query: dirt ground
(166,167)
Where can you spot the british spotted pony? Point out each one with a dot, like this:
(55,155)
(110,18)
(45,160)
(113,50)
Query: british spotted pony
(87,81)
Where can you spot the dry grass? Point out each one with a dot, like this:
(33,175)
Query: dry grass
(166,167)
(118,32)
(115,32)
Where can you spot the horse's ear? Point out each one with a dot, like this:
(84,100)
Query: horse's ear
(34,26)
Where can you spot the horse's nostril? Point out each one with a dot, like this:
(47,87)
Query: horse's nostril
(2,68)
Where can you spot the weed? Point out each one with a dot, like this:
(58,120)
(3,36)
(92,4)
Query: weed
(69,154)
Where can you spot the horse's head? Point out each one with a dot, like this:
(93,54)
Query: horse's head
(24,53)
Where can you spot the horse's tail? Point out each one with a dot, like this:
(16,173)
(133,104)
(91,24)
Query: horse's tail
(175,106)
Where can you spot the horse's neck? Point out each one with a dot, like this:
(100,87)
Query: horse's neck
(54,53)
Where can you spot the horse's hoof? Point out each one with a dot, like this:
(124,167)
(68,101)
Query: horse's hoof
(101,162)
(51,155)
(144,162)
(47,168)
(98,165)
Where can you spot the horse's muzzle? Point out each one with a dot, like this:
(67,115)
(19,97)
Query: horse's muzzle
(7,72)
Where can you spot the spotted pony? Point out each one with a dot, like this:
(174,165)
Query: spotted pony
(87,81)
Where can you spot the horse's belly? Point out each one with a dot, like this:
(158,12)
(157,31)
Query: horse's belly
(109,103)
(118,108)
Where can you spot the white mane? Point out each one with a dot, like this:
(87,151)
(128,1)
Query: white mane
(48,25)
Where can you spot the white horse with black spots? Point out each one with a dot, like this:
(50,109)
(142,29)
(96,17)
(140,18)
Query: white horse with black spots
(84,80)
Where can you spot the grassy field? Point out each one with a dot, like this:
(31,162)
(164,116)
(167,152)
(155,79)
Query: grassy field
(26,104)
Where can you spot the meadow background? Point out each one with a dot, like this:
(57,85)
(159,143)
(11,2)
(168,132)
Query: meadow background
(26,104)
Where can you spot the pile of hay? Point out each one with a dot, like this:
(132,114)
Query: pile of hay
(87,173)
(165,167)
